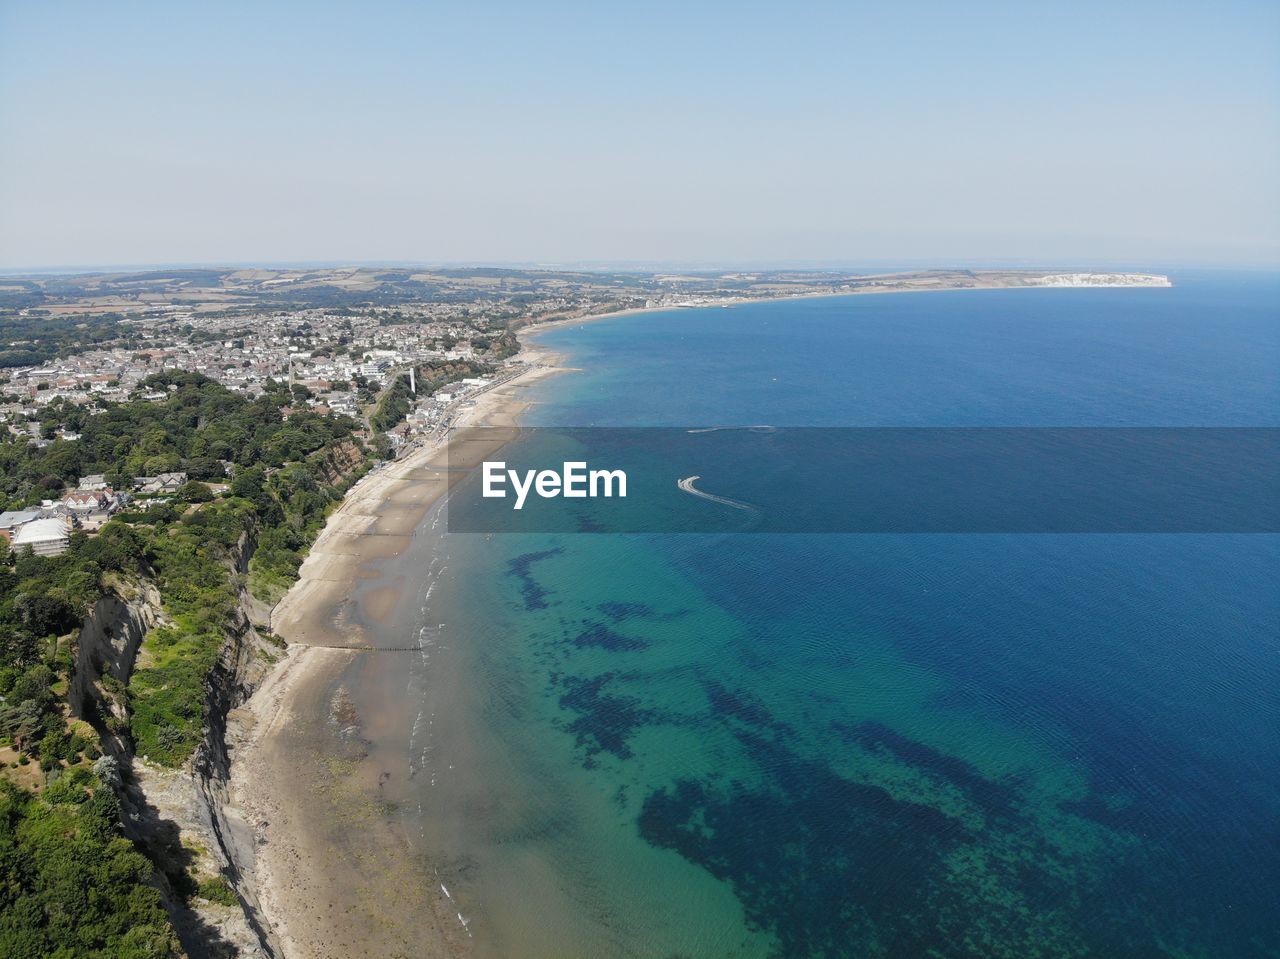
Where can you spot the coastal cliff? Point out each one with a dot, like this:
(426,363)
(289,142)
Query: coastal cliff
(105,652)
(181,818)
(339,462)
(1102,280)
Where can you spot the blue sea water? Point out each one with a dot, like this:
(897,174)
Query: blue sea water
(874,745)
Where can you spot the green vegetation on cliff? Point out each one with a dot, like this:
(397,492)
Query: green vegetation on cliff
(278,497)
(69,883)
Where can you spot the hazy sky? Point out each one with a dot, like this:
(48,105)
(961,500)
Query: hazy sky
(136,133)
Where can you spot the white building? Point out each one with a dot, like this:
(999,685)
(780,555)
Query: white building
(46,537)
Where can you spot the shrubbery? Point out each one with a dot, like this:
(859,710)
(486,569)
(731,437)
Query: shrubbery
(70,884)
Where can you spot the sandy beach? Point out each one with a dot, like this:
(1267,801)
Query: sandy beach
(332,873)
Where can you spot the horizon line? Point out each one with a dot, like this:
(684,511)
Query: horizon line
(639,266)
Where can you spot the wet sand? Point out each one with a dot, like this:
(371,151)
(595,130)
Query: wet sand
(333,871)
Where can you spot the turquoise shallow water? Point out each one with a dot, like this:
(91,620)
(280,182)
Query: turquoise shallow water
(807,745)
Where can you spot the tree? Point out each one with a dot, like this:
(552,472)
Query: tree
(161,463)
(45,615)
(193,492)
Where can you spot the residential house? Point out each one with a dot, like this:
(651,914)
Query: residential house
(83,502)
(161,483)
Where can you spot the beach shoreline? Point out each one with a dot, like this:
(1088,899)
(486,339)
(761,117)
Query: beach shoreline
(352,892)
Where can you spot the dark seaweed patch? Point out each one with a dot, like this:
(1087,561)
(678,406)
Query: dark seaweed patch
(825,864)
(741,706)
(588,524)
(620,611)
(531,591)
(600,636)
(833,867)
(995,798)
(605,722)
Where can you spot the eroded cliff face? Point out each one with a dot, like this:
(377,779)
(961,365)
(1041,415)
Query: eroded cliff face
(106,651)
(245,659)
(340,462)
(180,817)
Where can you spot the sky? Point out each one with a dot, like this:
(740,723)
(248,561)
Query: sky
(1125,133)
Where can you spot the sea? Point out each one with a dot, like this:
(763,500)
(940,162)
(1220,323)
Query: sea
(865,745)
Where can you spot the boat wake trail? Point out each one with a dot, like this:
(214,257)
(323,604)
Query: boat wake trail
(686,484)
